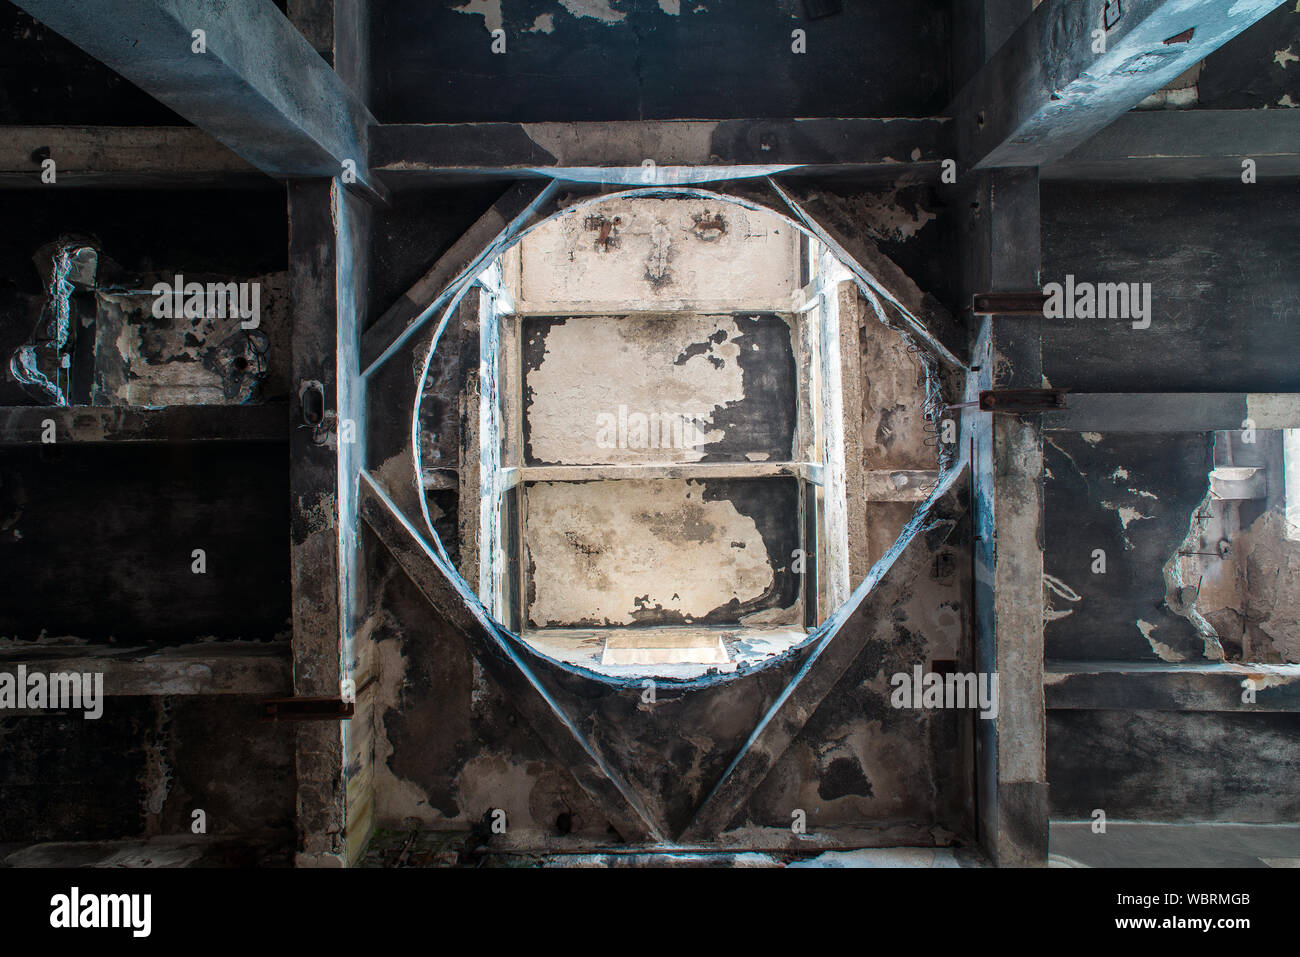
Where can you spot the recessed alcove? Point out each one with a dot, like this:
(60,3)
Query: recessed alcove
(644,469)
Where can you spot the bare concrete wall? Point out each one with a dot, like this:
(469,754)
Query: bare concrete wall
(660,551)
(144,767)
(714,388)
(671,255)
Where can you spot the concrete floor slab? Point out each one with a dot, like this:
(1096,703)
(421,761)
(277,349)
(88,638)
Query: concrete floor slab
(1128,844)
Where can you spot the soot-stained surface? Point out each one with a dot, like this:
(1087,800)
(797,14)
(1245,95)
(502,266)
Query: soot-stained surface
(1174,766)
(98,543)
(654,59)
(65,778)
(1257,69)
(408,236)
(860,761)
(651,389)
(47,80)
(143,767)
(449,746)
(657,552)
(1133,497)
(1225,300)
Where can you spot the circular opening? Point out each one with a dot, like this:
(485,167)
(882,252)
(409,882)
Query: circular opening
(667,434)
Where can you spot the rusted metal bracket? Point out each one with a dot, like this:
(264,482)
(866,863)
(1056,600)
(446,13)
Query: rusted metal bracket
(1021,400)
(307,709)
(1008,303)
(1016,400)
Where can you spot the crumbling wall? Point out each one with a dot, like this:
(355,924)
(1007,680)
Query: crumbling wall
(144,767)
(449,749)
(105,535)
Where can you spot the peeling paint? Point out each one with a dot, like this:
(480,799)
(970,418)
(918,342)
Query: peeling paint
(489,10)
(640,373)
(673,551)
(1162,650)
(595,9)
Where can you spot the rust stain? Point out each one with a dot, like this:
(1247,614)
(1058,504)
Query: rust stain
(708,228)
(607,237)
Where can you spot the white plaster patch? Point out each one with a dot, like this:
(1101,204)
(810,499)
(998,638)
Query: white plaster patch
(1126,515)
(1287,101)
(1092,438)
(545,23)
(601,550)
(639,376)
(1119,473)
(1283,57)
(489,10)
(887,218)
(595,9)
(671,7)
(1162,650)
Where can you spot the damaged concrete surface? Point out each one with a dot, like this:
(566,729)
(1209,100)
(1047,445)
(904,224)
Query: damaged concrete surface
(633,652)
(1134,498)
(618,553)
(150,762)
(677,255)
(676,388)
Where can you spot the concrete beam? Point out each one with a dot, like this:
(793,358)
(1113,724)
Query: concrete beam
(863,619)
(320,243)
(1054,84)
(1174,412)
(29,425)
(694,470)
(509,661)
(899,485)
(208,668)
(659,152)
(518,208)
(1180,145)
(1001,232)
(258,87)
(135,157)
(1162,686)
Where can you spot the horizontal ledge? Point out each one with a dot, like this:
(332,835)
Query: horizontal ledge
(655,152)
(882,485)
(1170,686)
(202,668)
(1174,411)
(82,424)
(693,470)
(900,485)
(121,156)
(1174,145)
